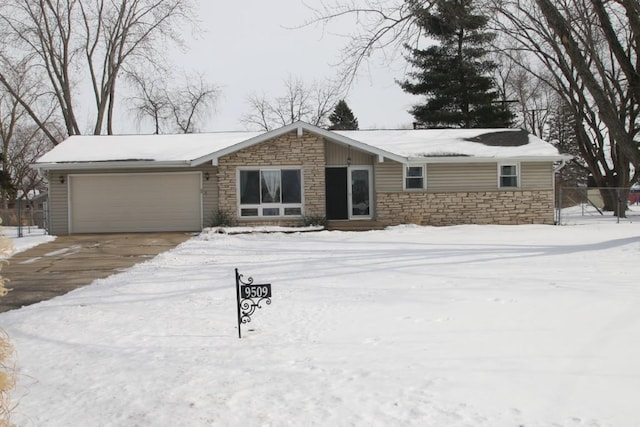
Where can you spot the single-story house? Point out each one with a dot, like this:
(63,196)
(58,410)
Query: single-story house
(371,178)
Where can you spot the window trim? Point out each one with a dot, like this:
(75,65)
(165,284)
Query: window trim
(517,175)
(260,207)
(405,166)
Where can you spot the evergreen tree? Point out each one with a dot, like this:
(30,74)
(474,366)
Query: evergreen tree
(562,127)
(342,117)
(6,183)
(454,73)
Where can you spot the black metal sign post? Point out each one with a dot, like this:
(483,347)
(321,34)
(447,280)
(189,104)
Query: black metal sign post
(249,296)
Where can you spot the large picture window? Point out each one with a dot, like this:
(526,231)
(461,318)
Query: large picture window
(270,192)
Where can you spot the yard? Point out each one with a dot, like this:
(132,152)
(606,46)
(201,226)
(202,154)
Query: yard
(452,326)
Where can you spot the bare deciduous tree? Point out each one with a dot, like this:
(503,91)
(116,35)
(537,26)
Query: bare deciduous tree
(309,103)
(29,145)
(176,109)
(191,102)
(384,26)
(581,28)
(530,98)
(591,83)
(66,42)
(150,100)
(259,115)
(22,140)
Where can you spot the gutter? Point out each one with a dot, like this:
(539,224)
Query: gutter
(562,164)
(474,159)
(126,164)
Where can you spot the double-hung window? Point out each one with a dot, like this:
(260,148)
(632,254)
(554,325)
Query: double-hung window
(414,177)
(508,175)
(270,192)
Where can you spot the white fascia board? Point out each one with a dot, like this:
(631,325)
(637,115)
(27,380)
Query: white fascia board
(472,159)
(146,164)
(213,157)
(381,154)
(299,127)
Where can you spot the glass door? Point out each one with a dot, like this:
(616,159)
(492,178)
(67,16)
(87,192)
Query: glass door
(360,194)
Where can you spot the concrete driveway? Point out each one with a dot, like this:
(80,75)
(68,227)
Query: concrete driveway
(69,262)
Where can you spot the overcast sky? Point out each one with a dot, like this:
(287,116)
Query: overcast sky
(246,48)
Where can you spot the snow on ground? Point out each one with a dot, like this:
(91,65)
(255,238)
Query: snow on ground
(410,326)
(31,236)
(584,213)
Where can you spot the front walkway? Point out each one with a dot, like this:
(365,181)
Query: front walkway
(70,262)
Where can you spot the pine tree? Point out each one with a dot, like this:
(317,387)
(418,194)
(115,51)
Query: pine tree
(454,73)
(562,127)
(342,117)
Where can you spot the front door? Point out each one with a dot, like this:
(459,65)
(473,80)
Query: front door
(360,192)
(336,193)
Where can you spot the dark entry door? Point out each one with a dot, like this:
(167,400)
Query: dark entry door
(336,192)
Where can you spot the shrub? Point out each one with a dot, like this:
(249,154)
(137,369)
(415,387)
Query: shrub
(223,219)
(315,220)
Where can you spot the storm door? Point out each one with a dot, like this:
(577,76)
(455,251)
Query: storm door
(360,192)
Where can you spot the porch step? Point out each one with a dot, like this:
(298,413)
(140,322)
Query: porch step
(357,225)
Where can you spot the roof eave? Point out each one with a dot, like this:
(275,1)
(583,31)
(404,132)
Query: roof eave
(481,159)
(299,127)
(143,164)
(213,157)
(344,140)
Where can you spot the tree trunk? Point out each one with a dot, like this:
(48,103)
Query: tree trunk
(607,110)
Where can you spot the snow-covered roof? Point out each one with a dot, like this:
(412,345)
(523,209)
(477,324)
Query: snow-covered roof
(430,145)
(152,148)
(497,143)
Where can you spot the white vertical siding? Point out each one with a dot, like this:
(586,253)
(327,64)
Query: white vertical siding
(337,155)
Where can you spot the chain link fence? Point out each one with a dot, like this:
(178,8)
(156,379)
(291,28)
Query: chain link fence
(23,220)
(582,205)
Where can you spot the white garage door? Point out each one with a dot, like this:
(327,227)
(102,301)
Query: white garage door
(135,202)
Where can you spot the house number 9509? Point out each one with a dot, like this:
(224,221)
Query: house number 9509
(256,291)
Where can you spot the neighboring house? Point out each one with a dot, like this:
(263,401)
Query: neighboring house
(373,178)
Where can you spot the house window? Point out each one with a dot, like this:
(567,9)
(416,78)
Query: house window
(508,176)
(270,192)
(414,177)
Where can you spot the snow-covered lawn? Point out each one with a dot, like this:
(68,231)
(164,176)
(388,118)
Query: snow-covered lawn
(31,236)
(454,326)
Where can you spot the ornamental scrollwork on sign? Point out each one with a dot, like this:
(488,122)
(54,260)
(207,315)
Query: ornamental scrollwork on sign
(250,297)
(248,307)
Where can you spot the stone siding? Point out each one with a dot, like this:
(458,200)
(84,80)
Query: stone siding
(306,151)
(487,207)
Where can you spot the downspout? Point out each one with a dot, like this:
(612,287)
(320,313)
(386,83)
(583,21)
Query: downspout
(557,169)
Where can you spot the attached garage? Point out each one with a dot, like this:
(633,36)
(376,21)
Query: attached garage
(145,202)
(134,183)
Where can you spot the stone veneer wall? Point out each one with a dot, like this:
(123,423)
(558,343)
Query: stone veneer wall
(483,207)
(287,150)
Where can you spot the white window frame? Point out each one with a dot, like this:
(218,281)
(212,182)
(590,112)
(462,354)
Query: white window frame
(404,176)
(350,171)
(262,206)
(500,176)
